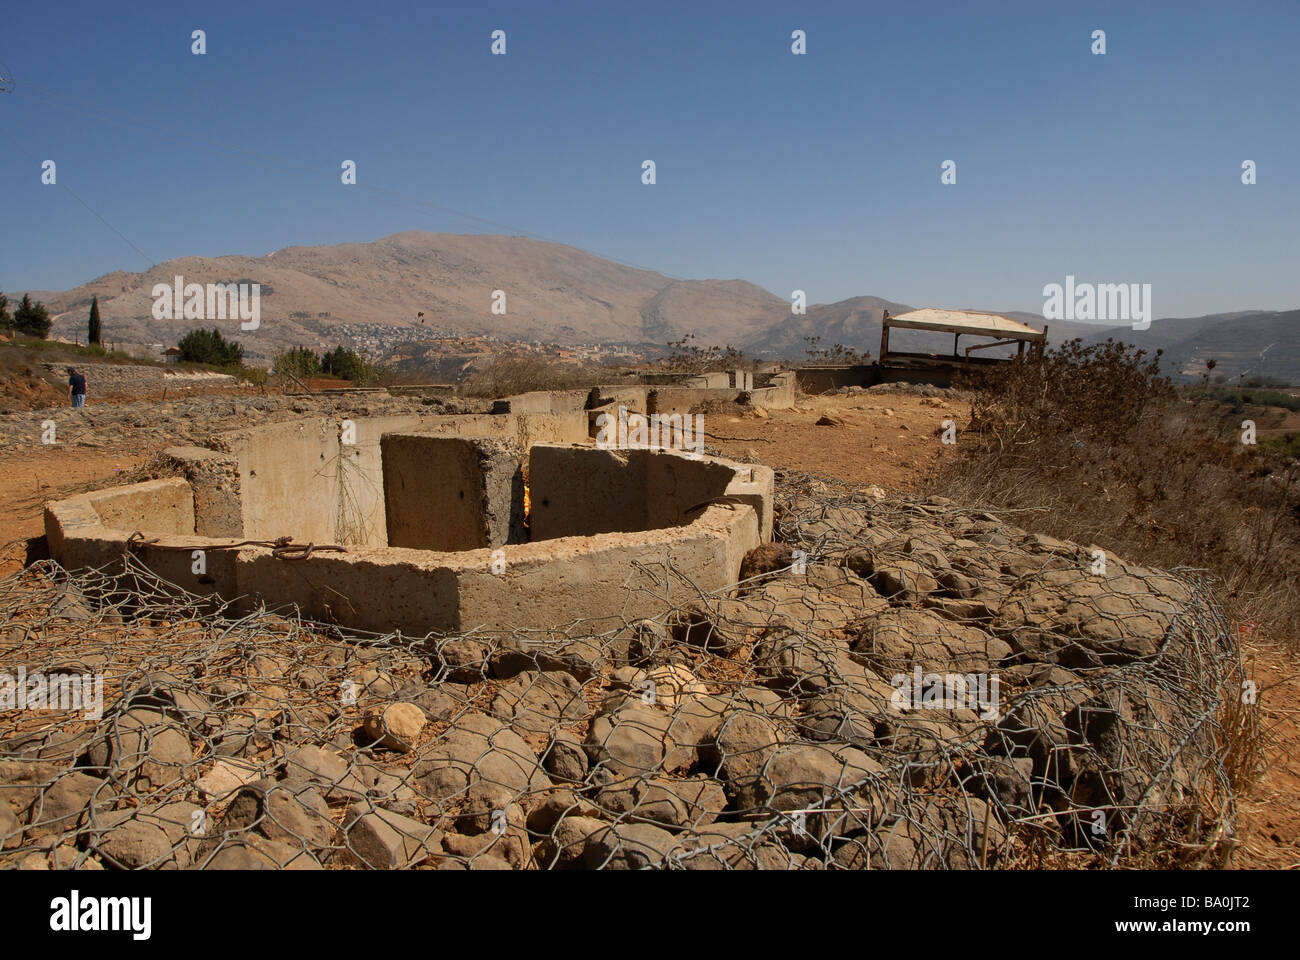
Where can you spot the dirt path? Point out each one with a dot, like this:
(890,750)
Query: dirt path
(1269,816)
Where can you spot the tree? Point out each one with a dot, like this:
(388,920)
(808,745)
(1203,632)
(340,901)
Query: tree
(344,364)
(32,318)
(210,347)
(95,330)
(6,318)
(298,362)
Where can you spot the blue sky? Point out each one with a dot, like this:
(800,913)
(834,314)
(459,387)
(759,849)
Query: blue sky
(818,172)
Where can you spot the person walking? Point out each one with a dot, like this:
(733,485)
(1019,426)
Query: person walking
(76,387)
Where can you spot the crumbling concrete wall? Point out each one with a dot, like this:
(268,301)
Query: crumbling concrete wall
(592,556)
(632,397)
(676,489)
(546,401)
(298,478)
(605,579)
(94,530)
(778,394)
(578,491)
(824,379)
(452,493)
(158,506)
(669,400)
(293,475)
(214,478)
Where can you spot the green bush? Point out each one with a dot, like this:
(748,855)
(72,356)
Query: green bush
(344,364)
(1286,446)
(296,362)
(32,318)
(211,348)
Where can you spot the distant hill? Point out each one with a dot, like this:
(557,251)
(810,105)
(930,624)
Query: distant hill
(554,293)
(854,323)
(368,296)
(1243,345)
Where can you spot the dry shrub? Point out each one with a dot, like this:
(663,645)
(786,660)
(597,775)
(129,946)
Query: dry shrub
(1098,448)
(1094,446)
(688,357)
(520,374)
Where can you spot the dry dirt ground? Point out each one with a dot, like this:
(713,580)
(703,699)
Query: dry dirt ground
(886,439)
(1269,815)
(32,476)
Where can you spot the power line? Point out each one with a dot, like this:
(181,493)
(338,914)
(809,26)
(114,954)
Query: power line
(107,224)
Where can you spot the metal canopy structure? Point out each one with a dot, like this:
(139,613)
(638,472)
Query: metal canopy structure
(1003,330)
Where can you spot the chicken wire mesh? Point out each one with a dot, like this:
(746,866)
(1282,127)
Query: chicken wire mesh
(896,683)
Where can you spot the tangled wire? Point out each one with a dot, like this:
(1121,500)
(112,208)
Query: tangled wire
(894,684)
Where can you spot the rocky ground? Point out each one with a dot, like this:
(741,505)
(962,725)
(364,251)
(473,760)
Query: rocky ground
(763,730)
(759,730)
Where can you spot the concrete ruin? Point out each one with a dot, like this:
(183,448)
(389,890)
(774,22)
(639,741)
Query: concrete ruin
(440,524)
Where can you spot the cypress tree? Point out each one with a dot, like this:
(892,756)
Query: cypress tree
(94,321)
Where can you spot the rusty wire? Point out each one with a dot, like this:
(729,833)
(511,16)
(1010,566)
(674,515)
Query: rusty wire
(747,729)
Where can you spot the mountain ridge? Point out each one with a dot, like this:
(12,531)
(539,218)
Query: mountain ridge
(370,294)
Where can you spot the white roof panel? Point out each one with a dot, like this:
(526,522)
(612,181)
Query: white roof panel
(987,324)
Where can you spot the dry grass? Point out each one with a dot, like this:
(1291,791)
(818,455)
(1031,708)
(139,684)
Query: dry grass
(520,374)
(1097,448)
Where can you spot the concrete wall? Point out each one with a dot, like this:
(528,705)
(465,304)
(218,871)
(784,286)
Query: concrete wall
(591,557)
(451,493)
(634,398)
(297,477)
(604,579)
(433,493)
(684,399)
(709,381)
(547,401)
(91,529)
(214,478)
(158,506)
(578,491)
(673,486)
(609,578)
(289,473)
(824,379)
(777,393)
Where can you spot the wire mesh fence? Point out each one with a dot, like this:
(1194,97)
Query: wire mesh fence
(896,683)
